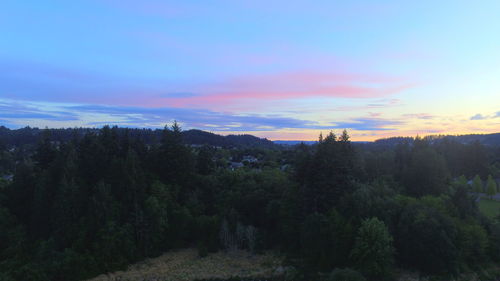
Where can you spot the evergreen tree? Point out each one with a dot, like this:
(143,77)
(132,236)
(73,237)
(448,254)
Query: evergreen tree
(344,137)
(477,184)
(427,173)
(97,200)
(465,203)
(204,162)
(329,173)
(45,151)
(156,207)
(461,181)
(475,159)
(175,164)
(491,187)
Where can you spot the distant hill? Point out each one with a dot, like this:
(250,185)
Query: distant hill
(488,139)
(27,136)
(293,142)
(485,139)
(200,137)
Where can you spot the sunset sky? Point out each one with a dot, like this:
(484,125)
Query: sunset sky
(277,69)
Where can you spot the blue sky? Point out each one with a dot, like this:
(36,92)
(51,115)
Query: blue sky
(282,70)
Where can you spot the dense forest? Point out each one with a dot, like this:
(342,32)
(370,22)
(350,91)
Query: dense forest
(30,136)
(80,202)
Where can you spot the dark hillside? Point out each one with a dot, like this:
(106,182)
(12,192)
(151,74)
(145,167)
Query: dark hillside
(30,136)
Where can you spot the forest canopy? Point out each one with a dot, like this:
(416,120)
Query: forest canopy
(78,203)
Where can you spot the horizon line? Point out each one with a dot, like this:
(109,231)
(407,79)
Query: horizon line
(249,133)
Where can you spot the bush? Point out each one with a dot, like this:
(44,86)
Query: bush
(373,252)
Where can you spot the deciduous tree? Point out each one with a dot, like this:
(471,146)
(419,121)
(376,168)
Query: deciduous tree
(373,251)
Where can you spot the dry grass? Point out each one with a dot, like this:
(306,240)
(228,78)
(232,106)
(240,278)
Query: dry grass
(186,265)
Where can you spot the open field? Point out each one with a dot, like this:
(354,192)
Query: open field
(490,208)
(186,265)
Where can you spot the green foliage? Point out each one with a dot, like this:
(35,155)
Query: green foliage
(472,241)
(491,186)
(426,238)
(316,242)
(328,173)
(494,242)
(325,241)
(175,161)
(114,248)
(156,218)
(12,236)
(462,181)
(205,160)
(426,174)
(208,238)
(464,202)
(477,184)
(373,251)
(101,199)
(375,200)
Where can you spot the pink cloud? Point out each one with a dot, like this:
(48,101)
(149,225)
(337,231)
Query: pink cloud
(235,94)
(296,85)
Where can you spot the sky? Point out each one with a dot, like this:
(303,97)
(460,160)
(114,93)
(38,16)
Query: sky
(284,70)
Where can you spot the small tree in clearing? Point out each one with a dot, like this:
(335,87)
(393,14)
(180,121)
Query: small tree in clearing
(477,184)
(491,187)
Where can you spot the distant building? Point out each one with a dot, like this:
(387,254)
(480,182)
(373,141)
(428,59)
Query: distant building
(8,177)
(235,165)
(250,159)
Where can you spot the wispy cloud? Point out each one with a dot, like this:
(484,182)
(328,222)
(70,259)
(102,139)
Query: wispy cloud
(369,124)
(16,113)
(485,117)
(41,82)
(198,118)
(17,110)
(478,117)
(298,85)
(425,116)
(378,104)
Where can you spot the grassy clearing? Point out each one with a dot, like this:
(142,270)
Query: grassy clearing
(186,265)
(489,208)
